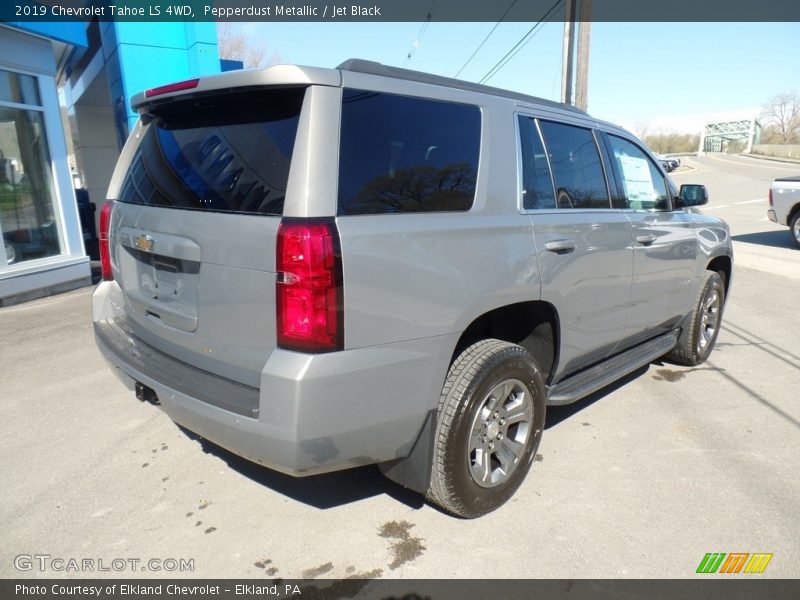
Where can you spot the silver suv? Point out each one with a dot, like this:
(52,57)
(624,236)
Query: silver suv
(324,268)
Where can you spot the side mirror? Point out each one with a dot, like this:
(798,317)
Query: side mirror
(692,194)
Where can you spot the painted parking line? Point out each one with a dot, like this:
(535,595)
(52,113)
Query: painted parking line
(751,201)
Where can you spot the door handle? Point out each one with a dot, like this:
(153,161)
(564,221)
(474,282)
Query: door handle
(646,239)
(560,246)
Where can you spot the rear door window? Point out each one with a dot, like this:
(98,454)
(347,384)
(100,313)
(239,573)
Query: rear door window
(225,152)
(406,155)
(577,169)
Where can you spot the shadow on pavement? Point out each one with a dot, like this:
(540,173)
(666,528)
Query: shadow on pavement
(351,485)
(774,239)
(557,414)
(320,491)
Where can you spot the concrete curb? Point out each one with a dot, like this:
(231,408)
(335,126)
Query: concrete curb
(791,161)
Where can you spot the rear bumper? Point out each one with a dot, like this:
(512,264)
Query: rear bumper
(314,413)
(772,216)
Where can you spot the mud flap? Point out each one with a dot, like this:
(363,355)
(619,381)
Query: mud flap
(683,325)
(414,471)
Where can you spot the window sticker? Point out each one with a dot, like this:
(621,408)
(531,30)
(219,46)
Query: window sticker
(638,181)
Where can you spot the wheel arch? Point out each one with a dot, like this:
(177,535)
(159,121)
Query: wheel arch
(534,325)
(724,266)
(792,212)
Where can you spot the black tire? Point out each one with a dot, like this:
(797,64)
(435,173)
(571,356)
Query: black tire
(489,385)
(696,344)
(794,228)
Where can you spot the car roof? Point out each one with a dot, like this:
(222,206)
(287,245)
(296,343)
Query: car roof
(303,75)
(369,67)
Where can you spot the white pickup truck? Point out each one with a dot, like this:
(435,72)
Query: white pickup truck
(784,205)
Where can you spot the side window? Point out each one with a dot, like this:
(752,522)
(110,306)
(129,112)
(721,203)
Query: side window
(643,185)
(400,154)
(577,170)
(537,186)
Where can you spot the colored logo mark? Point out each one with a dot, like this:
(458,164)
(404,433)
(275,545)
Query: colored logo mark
(735,562)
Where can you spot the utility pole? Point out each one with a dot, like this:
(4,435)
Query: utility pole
(584,36)
(568,51)
(570,80)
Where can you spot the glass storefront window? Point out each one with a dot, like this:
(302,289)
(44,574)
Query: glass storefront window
(27,198)
(15,87)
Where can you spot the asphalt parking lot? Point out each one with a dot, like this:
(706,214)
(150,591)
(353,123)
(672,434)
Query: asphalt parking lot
(640,480)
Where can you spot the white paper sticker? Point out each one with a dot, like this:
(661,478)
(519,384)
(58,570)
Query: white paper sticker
(638,181)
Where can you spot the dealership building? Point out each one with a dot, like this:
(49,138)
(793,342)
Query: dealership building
(64,116)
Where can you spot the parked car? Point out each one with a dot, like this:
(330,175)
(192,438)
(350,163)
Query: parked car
(324,268)
(784,205)
(11,252)
(30,242)
(669,163)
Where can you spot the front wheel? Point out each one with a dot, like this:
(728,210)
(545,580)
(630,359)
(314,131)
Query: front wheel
(704,323)
(490,422)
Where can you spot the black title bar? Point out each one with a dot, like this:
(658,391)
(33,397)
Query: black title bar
(397,10)
(711,587)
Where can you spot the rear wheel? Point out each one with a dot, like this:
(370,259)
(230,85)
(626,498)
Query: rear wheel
(794,228)
(705,321)
(490,421)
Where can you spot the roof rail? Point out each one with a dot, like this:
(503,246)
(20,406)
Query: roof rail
(369,67)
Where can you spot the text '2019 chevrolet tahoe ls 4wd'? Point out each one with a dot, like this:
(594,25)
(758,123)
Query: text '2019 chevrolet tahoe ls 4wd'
(324,268)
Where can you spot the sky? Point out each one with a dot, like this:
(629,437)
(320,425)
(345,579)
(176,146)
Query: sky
(663,76)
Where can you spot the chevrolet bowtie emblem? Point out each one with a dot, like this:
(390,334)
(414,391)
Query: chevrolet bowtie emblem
(144,243)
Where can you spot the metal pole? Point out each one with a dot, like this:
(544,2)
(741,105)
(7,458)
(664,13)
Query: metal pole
(568,52)
(751,136)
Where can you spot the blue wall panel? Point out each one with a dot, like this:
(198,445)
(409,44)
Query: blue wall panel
(70,32)
(145,55)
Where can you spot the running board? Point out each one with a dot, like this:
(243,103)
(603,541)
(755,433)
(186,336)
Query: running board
(584,383)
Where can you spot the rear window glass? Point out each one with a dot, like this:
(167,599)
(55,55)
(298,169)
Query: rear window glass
(223,152)
(405,155)
(577,170)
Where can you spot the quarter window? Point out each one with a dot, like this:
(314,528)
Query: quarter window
(403,155)
(643,185)
(577,170)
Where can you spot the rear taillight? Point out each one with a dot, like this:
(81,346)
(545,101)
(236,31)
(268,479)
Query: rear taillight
(189,84)
(770,197)
(309,286)
(105,251)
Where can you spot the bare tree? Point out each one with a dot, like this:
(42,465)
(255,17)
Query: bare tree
(235,45)
(782,114)
(670,142)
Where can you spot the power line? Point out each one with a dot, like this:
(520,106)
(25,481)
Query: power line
(421,33)
(510,6)
(523,41)
(467,44)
